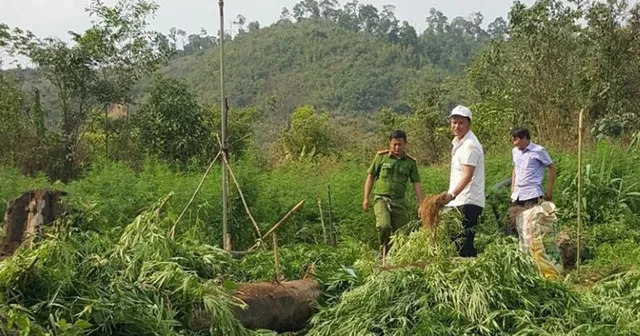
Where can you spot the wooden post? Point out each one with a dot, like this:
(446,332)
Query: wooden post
(277,225)
(223,135)
(579,189)
(332,232)
(324,229)
(276,256)
(228,247)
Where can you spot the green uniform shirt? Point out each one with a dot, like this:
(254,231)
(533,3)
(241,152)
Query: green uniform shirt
(391,174)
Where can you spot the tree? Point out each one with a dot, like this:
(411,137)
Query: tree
(436,22)
(239,128)
(475,27)
(407,35)
(100,68)
(13,120)
(5,36)
(38,114)
(309,134)
(173,37)
(614,59)
(166,46)
(328,9)
(539,71)
(498,29)
(285,15)
(172,124)
(253,26)
(368,16)
(348,18)
(312,8)
(240,21)
(299,11)
(388,25)
(195,44)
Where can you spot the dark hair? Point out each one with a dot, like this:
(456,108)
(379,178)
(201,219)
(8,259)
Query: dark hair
(398,134)
(521,133)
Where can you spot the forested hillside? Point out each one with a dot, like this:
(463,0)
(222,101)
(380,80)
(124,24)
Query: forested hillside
(318,63)
(353,59)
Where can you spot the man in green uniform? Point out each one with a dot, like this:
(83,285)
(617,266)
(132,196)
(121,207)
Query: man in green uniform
(388,176)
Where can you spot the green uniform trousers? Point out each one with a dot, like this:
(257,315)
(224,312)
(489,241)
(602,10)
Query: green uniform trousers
(391,214)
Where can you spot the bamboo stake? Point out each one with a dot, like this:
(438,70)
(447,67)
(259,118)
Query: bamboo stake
(244,201)
(204,176)
(277,225)
(228,246)
(333,234)
(324,229)
(223,130)
(579,187)
(276,256)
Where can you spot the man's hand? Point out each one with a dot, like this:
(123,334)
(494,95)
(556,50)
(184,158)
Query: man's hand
(368,184)
(419,196)
(365,205)
(548,196)
(448,197)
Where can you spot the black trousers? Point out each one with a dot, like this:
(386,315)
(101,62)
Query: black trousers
(464,239)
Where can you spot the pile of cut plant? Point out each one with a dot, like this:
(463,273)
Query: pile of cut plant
(138,280)
(426,290)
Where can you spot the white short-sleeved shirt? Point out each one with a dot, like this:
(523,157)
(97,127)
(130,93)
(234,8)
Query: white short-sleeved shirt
(467,151)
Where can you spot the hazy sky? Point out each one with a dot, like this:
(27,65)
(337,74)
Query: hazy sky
(56,17)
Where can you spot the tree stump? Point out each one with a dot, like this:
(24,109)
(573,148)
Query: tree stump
(280,307)
(567,245)
(25,217)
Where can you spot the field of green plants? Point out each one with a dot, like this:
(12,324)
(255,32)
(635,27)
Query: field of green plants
(110,267)
(122,120)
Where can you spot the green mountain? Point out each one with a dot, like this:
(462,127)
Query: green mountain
(355,59)
(312,62)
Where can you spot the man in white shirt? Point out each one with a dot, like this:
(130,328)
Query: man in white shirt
(466,180)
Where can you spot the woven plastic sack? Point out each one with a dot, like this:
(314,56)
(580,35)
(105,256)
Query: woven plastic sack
(533,225)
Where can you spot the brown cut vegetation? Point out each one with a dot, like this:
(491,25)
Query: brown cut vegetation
(430,208)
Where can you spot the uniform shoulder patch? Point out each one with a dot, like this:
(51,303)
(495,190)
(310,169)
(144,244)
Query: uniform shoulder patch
(384,151)
(411,158)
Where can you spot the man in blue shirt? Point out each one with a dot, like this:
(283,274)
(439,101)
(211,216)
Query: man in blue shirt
(529,163)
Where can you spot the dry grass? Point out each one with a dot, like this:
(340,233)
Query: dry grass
(430,208)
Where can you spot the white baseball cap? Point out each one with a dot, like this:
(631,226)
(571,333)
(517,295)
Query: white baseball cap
(461,111)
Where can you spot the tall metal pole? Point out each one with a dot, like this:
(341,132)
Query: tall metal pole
(226,237)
